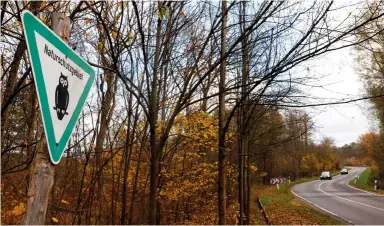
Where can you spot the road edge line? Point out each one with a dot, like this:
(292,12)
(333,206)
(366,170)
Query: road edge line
(314,204)
(362,189)
(349,200)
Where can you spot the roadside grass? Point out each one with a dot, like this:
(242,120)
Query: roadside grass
(364,183)
(283,207)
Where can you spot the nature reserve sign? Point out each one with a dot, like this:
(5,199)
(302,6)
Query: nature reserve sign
(62,79)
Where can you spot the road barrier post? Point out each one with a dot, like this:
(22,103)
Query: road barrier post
(277,186)
(375,186)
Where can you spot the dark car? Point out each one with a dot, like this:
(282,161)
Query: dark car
(326,175)
(344,171)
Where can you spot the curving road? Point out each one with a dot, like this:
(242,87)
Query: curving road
(341,200)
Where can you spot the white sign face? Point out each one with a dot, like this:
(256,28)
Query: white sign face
(62,79)
(64,89)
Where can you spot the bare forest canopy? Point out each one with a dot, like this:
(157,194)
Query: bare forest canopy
(195,105)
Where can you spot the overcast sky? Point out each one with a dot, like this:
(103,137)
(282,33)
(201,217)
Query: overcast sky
(346,122)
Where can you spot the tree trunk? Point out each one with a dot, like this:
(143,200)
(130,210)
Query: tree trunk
(11,81)
(127,158)
(107,107)
(207,86)
(130,217)
(243,139)
(42,171)
(221,163)
(248,192)
(155,149)
(31,125)
(154,175)
(240,157)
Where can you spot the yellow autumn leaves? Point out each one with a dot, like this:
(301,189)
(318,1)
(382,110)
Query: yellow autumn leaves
(100,46)
(19,209)
(114,34)
(64,201)
(43,19)
(253,169)
(130,35)
(200,129)
(163,12)
(43,4)
(197,180)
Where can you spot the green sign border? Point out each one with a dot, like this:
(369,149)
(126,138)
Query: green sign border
(32,24)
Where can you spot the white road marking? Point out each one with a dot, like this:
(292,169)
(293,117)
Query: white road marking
(319,188)
(314,204)
(334,214)
(325,210)
(361,189)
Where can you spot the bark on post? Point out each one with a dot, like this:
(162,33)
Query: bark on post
(42,171)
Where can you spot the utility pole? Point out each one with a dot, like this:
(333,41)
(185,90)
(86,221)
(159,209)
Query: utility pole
(42,170)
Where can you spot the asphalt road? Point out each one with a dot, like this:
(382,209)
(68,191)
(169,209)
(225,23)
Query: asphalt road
(339,199)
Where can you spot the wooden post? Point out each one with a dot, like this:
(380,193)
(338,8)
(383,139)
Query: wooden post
(42,170)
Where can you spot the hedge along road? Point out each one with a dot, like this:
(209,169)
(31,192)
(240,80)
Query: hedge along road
(341,200)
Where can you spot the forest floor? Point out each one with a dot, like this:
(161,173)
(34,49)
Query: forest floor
(364,183)
(282,207)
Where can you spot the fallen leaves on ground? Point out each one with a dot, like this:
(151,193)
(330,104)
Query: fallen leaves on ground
(283,207)
(19,209)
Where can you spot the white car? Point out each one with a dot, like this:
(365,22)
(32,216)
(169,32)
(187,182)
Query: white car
(326,175)
(344,171)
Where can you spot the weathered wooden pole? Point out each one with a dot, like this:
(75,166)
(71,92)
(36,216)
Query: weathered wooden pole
(42,170)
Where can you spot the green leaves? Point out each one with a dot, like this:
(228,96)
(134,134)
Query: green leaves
(162,12)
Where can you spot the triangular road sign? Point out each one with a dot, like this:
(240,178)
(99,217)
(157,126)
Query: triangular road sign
(62,79)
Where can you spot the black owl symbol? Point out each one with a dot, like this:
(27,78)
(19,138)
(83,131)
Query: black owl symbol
(61,97)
